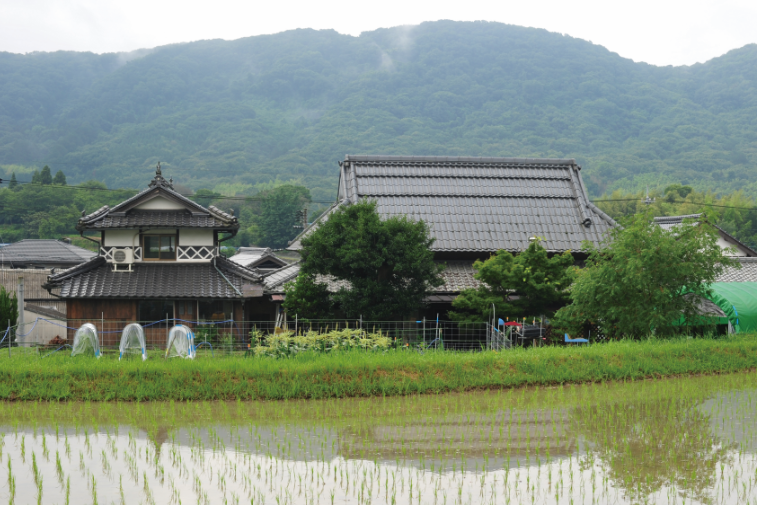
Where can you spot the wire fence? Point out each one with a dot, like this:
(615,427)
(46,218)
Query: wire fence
(228,336)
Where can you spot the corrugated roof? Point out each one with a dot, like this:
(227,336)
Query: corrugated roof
(96,279)
(478,204)
(251,257)
(43,252)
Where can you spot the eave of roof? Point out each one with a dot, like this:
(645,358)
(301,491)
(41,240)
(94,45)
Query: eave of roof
(158,187)
(96,279)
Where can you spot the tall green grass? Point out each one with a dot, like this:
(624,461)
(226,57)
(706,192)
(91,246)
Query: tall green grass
(361,373)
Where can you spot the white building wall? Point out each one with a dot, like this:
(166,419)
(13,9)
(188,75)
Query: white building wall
(195,236)
(159,203)
(121,238)
(724,244)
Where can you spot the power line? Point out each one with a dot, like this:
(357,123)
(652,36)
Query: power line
(680,202)
(135,191)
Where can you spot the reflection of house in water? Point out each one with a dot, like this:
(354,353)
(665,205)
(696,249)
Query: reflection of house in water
(521,437)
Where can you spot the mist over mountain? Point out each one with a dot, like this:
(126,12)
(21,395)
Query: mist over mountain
(289,106)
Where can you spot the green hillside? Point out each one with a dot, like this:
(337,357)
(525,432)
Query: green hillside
(289,106)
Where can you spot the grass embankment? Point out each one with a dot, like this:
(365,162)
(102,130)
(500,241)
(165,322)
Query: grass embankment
(355,373)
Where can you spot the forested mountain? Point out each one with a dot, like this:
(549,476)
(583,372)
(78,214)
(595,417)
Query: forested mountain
(289,106)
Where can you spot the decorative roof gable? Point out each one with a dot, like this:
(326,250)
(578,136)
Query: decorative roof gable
(140,210)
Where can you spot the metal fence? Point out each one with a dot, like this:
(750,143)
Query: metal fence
(47,333)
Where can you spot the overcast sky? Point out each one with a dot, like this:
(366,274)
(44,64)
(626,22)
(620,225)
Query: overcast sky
(661,32)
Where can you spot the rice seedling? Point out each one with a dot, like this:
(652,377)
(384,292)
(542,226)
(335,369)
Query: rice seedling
(641,442)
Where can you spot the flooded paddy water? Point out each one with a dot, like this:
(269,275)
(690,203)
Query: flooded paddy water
(679,441)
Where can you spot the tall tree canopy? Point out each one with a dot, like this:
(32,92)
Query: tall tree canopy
(386,267)
(643,278)
(280,208)
(289,104)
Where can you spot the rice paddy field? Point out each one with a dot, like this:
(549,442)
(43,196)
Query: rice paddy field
(672,441)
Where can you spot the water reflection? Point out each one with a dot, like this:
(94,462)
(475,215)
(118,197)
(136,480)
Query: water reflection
(645,446)
(688,440)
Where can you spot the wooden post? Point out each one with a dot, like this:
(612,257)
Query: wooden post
(20,300)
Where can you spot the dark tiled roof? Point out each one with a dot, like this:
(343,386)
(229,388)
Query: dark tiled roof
(96,279)
(125,215)
(457,276)
(274,281)
(169,219)
(478,204)
(747,272)
(43,252)
(44,311)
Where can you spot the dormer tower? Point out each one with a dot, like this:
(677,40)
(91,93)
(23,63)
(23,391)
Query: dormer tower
(159,225)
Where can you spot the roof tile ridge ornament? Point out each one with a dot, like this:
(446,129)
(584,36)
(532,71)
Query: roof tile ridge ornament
(159,180)
(99,212)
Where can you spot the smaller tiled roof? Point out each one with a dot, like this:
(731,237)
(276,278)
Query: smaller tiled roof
(44,311)
(43,252)
(457,276)
(125,215)
(747,272)
(668,222)
(162,219)
(97,279)
(252,257)
(274,281)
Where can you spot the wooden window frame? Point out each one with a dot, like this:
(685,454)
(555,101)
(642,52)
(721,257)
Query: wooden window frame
(145,250)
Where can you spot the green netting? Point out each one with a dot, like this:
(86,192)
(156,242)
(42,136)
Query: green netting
(85,341)
(739,302)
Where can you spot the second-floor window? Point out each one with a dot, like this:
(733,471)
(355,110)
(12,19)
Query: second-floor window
(158,247)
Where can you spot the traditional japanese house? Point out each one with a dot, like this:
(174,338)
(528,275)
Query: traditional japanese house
(475,207)
(159,260)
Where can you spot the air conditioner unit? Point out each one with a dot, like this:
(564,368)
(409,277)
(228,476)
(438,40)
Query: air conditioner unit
(123,257)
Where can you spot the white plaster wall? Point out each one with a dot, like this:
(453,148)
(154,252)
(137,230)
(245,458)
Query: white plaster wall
(195,237)
(159,203)
(724,244)
(121,238)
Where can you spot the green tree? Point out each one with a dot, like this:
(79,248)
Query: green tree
(643,278)
(45,177)
(60,178)
(308,298)
(386,267)
(279,210)
(36,177)
(528,284)
(13,184)
(205,197)
(8,309)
